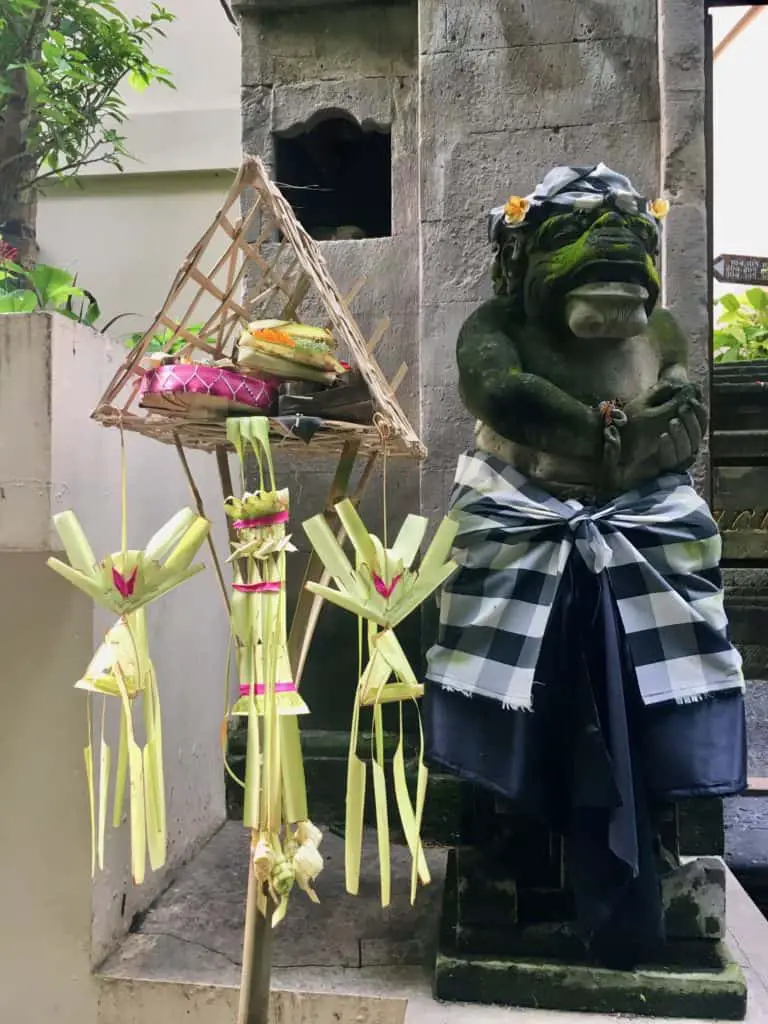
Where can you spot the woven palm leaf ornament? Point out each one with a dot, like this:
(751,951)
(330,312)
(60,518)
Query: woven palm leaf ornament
(382,589)
(284,845)
(125,583)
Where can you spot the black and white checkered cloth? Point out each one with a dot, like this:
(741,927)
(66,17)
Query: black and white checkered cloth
(659,546)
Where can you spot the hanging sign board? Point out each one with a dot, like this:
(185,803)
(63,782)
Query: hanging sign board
(741,269)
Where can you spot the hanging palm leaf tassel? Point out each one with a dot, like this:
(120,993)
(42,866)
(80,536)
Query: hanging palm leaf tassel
(122,670)
(284,842)
(382,589)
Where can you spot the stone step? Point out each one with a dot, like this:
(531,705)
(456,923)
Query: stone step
(346,961)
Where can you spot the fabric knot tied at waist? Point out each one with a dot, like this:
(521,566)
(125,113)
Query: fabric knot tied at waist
(658,546)
(590,543)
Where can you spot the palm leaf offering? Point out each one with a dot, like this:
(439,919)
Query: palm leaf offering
(284,841)
(125,583)
(382,589)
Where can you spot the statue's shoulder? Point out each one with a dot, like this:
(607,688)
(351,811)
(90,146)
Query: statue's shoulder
(498,317)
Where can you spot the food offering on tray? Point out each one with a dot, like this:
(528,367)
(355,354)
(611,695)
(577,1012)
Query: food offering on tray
(289,351)
(280,368)
(206,390)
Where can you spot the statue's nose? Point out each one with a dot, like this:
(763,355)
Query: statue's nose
(610,219)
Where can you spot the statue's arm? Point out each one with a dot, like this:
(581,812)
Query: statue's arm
(519,406)
(672,344)
(665,426)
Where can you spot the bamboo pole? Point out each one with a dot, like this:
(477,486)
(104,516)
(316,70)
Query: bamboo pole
(253,1007)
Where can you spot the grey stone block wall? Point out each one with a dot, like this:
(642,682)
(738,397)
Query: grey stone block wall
(507,89)
(360,60)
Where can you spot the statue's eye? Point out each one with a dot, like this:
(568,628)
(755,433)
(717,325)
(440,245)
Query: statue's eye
(645,231)
(562,230)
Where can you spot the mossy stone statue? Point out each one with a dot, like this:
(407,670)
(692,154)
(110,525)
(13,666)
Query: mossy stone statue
(575,374)
(583,682)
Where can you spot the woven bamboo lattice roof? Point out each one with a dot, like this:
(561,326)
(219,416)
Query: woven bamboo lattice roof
(283,268)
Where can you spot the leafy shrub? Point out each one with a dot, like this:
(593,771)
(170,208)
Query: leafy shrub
(742,328)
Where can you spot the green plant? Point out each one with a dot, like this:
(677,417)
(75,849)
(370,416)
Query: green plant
(159,341)
(742,328)
(62,63)
(44,287)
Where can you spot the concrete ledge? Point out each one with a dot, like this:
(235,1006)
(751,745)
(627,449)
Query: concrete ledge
(182,960)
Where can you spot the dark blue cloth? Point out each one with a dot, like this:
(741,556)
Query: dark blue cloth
(591,759)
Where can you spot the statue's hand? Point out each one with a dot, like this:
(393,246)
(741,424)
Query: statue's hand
(663,431)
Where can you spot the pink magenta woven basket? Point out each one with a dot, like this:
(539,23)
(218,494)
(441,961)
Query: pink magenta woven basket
(195,389)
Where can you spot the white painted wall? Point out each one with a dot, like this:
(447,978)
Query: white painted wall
(740,142)
(51,930)
(126,234)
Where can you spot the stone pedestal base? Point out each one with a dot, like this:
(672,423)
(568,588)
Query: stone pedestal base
(715,992)
(538,962)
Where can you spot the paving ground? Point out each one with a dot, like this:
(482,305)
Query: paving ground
(344,962)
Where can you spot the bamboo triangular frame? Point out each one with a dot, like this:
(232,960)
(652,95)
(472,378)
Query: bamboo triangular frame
(284,266)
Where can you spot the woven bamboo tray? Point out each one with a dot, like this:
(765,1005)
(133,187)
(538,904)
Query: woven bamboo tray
(259,241)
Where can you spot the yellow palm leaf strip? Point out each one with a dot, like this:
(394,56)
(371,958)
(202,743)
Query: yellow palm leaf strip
(292,770)
(224,734)
(76,546)
(270,610)
(259,425)
(389,648)
(154,776)
(358,535)
(235,438)
(88,585)
(88,756)
(121,774)
(410,814)
(380,801)
(330,552)
(355,800)
(188,545)
(168,536)
(438,551)
(135,789)
(422,780)
(434,570)
(252,800)
(409,539)
(104,766)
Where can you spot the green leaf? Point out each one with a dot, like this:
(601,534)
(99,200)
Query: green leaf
(729,302)
(138,80)
(92,312)
(20,301)
(757,298)
(35,81)
(54,285)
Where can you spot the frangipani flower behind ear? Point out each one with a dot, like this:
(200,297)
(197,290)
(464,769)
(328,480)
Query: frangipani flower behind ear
(515,209)
(658,208)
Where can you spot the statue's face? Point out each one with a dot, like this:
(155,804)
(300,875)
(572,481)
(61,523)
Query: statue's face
(594,270)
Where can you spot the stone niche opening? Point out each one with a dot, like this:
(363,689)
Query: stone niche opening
(337,175)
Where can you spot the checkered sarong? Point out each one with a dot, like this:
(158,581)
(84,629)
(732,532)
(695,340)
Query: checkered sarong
(659,546)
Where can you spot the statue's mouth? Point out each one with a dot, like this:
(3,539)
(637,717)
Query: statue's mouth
(613,271)
(607,309)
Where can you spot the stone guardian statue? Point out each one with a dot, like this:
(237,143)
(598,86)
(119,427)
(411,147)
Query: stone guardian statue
(583,679)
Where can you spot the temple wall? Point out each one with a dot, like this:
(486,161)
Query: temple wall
(302,63)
